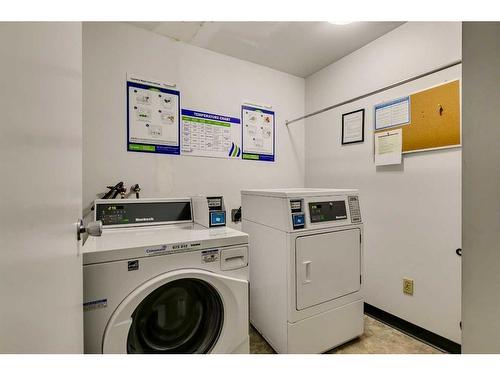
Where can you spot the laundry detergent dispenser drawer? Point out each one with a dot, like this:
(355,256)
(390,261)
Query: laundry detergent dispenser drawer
(328,266)
(233,259)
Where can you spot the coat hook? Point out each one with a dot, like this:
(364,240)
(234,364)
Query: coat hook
(440,109)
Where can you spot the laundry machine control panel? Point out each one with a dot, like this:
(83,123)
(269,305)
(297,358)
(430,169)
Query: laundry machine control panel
(139,212)
(354,210)
(217,213)
(209,211)
(327,211)
(315,212)
(301,209)
(298,216)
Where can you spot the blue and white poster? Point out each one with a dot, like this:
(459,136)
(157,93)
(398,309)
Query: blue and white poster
(258,136)
(393,113)
(153,120)
(209,134)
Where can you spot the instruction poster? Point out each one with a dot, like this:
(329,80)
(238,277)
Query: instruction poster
(393,113)
(152,118)
(208,134)
(257,133)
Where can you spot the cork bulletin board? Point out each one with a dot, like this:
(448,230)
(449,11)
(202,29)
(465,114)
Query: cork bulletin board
(435,119)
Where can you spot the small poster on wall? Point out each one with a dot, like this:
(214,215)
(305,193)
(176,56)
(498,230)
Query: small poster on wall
(353,127)
(388,147)
(153,120)
(393,113)
(257,133)
(210,134)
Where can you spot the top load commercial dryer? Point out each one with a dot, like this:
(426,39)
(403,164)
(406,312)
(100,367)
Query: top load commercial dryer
(305,258)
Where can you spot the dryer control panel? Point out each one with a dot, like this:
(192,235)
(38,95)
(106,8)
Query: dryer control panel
(309,212)
(327,211)
(298,216)
(354,208)
(301,209)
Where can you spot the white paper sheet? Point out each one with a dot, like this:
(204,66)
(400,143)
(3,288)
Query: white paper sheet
(388,147)
(393,113)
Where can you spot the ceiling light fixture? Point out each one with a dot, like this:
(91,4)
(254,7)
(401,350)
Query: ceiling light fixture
(340,23)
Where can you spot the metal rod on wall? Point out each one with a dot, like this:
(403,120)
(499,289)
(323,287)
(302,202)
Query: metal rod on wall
(458,62)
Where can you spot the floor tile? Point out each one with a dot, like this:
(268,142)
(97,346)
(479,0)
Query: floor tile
(378,338)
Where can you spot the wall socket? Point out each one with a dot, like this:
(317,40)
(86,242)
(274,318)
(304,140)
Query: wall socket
(408,286)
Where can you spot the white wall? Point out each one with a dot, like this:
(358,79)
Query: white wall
(209,82)
(412,212)
(481,179)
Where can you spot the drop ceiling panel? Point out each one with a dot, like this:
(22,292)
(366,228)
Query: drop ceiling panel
(298,48)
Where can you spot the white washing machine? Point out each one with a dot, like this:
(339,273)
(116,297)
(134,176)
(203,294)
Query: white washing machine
(306,267)
(157,282)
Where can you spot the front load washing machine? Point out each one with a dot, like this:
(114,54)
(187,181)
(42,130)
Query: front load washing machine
(157,282)
(306,267)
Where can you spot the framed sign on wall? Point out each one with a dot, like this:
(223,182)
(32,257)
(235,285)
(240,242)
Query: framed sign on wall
(353,127)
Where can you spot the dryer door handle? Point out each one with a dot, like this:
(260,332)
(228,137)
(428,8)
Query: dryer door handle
(307,273)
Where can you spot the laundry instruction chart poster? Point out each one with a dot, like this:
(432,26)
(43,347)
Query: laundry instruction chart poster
(209,134)
(257,133)
(153,118)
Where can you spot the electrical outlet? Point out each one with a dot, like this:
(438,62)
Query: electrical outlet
(408,286)
(236,215)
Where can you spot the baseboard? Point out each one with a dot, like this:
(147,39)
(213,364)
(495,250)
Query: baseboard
(411,329)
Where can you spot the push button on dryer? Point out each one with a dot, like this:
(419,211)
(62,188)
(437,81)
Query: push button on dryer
(298,220)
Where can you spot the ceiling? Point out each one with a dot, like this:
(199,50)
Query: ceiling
(298,48)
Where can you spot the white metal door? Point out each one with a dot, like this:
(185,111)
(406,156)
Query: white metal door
(40,201)
(328,266)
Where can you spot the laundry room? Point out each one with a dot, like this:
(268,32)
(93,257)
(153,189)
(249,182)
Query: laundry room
(308,154)
(249,184)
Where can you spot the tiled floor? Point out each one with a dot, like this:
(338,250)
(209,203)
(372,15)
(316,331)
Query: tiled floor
(377,339)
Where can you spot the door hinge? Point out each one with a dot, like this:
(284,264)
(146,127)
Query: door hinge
(360,279)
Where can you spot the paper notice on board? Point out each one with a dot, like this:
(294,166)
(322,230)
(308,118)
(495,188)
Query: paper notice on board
(393,113)
(388,147)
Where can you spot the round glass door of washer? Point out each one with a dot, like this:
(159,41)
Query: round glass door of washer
(182,316)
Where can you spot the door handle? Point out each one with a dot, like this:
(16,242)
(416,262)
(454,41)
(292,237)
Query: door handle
(93,228)
(229,259)
(307,265)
